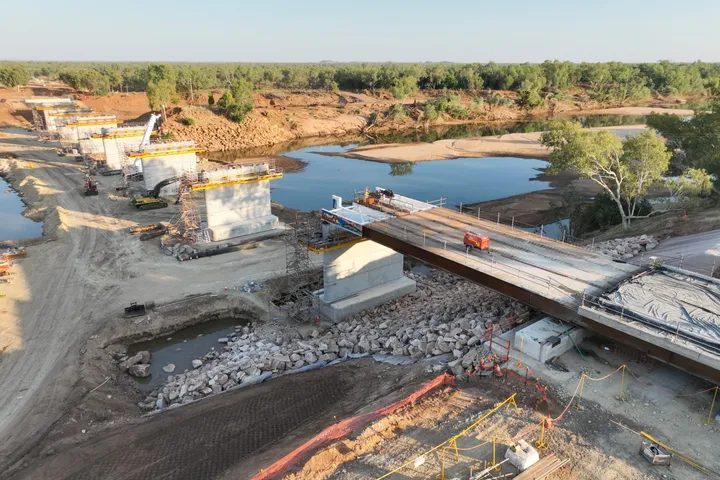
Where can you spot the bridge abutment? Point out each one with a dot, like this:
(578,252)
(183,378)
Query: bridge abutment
(361,276)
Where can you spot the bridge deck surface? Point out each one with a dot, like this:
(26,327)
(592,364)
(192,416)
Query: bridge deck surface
(552,269)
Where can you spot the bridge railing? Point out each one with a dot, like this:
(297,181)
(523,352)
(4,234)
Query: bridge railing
(643,260)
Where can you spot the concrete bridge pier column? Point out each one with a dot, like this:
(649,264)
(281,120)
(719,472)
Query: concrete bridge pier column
(361,276)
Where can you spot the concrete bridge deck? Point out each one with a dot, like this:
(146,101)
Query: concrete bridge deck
(535,270)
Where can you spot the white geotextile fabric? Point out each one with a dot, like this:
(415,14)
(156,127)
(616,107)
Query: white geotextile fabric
(662,295)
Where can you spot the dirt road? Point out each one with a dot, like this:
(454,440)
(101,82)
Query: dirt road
(70,287)
(699,252)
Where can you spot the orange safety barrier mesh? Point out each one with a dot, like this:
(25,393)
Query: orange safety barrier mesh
(345,427)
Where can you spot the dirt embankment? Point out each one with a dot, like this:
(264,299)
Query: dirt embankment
(282,116)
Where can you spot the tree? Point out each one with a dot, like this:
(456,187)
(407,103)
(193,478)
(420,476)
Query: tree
(87,81)
(238,102)
(225,100)
(403,87)
(401,169)
(646,159)
(694,182)
(14,75)
(161,87)
(623,169)
(695,141)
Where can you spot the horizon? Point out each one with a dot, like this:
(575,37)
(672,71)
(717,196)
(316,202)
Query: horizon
(348,62)
(315,31)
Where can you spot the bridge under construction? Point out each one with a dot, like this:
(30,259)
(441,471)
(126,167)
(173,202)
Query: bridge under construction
(557,278)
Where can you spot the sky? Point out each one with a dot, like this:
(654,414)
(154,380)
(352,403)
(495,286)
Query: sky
(504,31)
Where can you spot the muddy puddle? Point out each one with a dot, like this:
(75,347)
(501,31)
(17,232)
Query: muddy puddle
(181,348)
(13,226)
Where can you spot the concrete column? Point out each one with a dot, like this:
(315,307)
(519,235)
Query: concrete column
(161,167)
(239,210)
(361,276)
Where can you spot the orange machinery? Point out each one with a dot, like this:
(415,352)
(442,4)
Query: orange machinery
(475,240)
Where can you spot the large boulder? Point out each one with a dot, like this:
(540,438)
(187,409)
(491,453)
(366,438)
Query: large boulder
(135,359)
(145,356)
(140,370)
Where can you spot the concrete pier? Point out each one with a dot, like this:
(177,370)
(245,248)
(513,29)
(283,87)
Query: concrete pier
(237,200)
(545,339)
(116,140)
(81,127)
(166,160)
(361,276)
(239,210)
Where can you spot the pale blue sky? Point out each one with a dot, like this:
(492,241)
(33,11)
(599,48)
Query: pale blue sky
(367,30)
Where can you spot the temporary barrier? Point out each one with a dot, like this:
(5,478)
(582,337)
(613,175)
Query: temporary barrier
(345,427)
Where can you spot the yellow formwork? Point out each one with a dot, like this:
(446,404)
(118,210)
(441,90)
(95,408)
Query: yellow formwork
(123,135)
(239,181)
(163,153)
(332,246)
(93,124)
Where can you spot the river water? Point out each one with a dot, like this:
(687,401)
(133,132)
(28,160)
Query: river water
(463,180)
(13,226)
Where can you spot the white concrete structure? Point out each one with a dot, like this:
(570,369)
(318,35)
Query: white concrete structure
(361,276)
(83,127)
(116,140)
(522,455)
(165,160)
(545,339)
(237,200)
(54,117)
(91,146)
(43,109)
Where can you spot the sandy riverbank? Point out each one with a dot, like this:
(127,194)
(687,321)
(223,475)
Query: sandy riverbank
(524,145)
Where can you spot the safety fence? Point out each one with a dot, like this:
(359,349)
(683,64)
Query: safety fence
(345,427)
(533,232)
(519,372)
(573,405)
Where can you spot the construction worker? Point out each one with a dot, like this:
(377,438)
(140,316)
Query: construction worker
(548,422)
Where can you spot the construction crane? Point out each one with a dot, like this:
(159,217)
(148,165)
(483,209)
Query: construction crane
(137,165)
(149,128)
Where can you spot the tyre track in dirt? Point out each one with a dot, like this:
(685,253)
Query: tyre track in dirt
(40,375)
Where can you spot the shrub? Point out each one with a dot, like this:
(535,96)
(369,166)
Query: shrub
(211,99)
(396,112)
(188,121)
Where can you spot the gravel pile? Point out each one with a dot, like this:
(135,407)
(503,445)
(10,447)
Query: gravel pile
(626,248)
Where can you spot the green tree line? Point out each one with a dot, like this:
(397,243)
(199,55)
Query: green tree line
(533,82)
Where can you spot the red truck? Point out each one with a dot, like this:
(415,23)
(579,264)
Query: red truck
(475,240)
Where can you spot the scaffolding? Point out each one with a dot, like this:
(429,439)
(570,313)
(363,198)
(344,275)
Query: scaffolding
(240,175)
(298,267)
(38,121)
(190,222)
(125,165)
